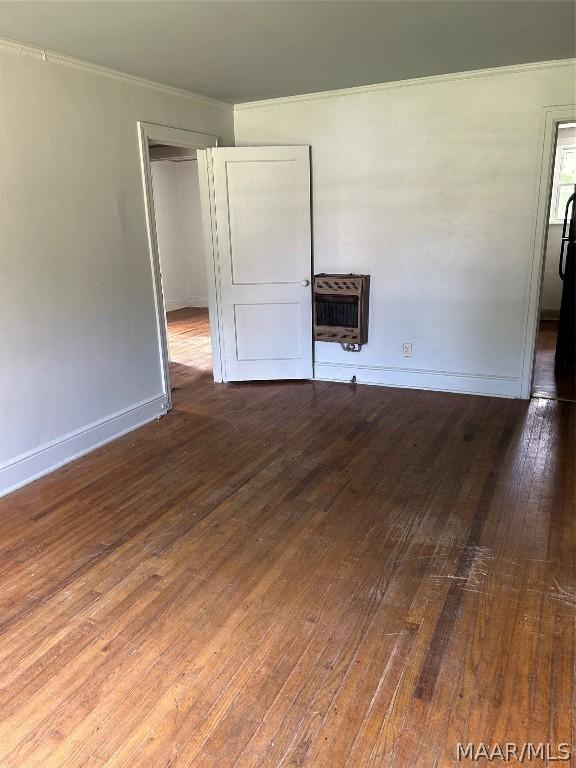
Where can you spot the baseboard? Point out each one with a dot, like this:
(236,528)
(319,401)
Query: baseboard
(29,466)
(410,378)
(191,301)
(549,314)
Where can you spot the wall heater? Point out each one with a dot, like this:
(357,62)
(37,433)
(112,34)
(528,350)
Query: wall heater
(341,304)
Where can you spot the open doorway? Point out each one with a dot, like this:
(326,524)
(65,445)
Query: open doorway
(554,372)
(255,208)
(179,234)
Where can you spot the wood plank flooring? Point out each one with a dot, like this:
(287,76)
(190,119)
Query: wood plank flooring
(189,346)
(558,385)
(294,574)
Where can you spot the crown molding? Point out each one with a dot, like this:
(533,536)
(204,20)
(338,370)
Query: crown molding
(51,57)
(429,80)
(59,58)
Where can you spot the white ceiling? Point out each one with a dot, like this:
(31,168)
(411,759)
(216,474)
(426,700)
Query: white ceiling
(240,51)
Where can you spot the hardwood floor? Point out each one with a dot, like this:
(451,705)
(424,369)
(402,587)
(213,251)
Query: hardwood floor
(294,574)
(559,385)
(189,346)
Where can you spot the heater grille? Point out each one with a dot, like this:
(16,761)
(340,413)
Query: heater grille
(341,308)
(337,311)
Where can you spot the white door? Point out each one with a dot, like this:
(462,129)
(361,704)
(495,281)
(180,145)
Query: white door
(261,243)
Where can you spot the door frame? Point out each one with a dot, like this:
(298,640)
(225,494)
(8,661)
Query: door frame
(177,137)
(552,117)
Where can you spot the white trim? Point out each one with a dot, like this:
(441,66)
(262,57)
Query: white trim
(413,378)
(427,80)
(49,57)
(210,232)
(161,329)
(556,183)
(29,466)
(189,301)
(180,138)
(551,117)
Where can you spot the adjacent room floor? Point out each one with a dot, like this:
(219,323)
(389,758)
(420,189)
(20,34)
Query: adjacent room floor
(189,346)
(559,385)
(294,574)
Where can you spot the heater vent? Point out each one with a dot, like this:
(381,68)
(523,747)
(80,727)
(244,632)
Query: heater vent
(337,311)
(341,308)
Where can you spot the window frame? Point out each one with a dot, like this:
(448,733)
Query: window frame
(557,184)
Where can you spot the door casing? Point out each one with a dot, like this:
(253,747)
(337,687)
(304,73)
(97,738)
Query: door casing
(193,140)
(552,117)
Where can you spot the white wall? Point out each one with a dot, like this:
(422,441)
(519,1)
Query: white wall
(179,232)
(79,358)
(551,282)
(430,187)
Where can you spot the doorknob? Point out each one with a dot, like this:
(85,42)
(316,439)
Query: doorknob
(305,283)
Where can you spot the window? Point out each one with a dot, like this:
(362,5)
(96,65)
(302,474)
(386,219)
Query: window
(564,181)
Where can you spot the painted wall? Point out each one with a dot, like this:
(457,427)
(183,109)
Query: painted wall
(79,356)
(551,283)
(430,187)
(179,232)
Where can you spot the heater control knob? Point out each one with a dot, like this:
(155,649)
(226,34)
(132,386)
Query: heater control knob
(305,283)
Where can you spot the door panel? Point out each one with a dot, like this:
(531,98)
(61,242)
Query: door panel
(260,327)
(263,258)
(263,202)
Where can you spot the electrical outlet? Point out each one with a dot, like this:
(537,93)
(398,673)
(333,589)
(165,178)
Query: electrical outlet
(407,349)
